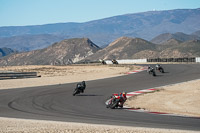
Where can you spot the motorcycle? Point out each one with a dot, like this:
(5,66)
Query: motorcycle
(114,61)
(152,71)
(115,101)
(80,87)
(160,69)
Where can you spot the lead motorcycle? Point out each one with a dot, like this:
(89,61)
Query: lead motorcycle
(160,68)
(80,87)
(116,101)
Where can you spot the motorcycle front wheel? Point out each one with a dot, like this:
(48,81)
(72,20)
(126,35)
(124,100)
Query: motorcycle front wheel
(75,92)
(114,104)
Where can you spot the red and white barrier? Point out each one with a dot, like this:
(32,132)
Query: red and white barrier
(130,94)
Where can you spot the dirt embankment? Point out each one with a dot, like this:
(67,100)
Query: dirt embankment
(181,99)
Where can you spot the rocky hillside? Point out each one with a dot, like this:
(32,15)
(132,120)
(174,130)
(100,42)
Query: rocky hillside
(144,25)
(136,48)
(123,48)
(82,49)
(61,53)
(177,36)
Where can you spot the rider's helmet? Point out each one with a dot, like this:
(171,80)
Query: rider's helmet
(83,82)
(124,94)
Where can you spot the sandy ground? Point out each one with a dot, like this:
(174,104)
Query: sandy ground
(173,99)
(181,99)
(12,125)
(51,75)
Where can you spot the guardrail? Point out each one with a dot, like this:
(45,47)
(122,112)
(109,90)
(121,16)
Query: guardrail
(193,59)
(133,61)
(16,75)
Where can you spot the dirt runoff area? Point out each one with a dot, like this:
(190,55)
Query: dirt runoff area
(66,74)
(181,99)
(51,75)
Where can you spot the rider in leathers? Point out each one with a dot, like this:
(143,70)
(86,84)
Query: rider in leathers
(81,86)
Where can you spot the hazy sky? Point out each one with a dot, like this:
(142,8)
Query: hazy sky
(37,12)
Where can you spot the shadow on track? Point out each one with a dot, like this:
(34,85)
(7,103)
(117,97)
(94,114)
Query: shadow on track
(88,95)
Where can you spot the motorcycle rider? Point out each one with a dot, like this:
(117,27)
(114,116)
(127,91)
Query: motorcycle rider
(123,97)
(81,86)
(157,66)
(149,69)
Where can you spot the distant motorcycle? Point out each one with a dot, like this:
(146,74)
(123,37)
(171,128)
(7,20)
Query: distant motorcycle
(151,71)
(116,101)
(114,61)
(80,87)
(160,68)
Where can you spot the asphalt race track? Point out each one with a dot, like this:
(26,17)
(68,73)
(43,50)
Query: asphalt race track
(57,103)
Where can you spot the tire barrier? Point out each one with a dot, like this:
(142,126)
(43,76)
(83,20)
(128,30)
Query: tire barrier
(17,75)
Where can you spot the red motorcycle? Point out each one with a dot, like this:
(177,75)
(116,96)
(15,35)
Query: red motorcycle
(117,100)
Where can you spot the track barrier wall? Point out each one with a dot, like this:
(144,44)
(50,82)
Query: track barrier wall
(133,61)
(193,59)
(197,59)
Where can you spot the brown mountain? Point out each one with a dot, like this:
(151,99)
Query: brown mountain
(168,44)
(65,52)
(136,48)
(79,49)
(160,39)
(123,48)
(173,49)
(190,48)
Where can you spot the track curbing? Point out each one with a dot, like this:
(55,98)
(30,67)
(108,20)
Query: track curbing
(139,92)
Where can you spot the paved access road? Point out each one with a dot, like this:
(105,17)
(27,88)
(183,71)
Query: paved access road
(57,103)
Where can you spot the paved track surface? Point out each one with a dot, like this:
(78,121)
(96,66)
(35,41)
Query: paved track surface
(57,103)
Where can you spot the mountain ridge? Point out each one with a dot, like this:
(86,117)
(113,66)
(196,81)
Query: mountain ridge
(77,50)
(144,25)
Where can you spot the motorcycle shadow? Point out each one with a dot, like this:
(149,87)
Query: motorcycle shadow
(158,75)
(166,72)
(88,95)
(163,72)
(126,108)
